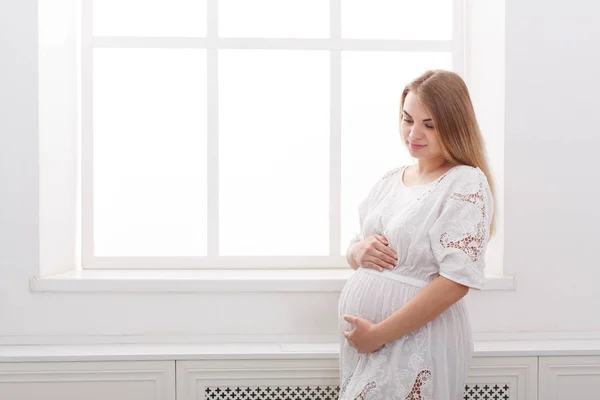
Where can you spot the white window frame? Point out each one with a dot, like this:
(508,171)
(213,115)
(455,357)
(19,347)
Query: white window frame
(212,43)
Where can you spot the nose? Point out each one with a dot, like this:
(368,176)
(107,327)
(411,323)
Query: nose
(415,133)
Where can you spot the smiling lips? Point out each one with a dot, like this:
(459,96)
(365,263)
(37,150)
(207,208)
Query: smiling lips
(417,146)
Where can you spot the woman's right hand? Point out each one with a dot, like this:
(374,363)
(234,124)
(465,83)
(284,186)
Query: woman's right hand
(373,252)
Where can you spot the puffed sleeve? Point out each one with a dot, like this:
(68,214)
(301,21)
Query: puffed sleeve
(460,234)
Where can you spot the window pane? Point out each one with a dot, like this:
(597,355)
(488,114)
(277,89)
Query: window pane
(149,152)
(149,18)
(372,83)
(274,18)
(397,19)
(274,152)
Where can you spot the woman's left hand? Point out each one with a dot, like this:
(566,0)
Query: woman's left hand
(363,337)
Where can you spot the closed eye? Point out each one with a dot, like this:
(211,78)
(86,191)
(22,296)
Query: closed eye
(410,122)
(408,119)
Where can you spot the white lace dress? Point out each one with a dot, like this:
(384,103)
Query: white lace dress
(436,229)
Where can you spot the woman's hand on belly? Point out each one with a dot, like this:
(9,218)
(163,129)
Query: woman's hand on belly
(364,338)
(374,253)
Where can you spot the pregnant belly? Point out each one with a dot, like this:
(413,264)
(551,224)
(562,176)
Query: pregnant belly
(373,296)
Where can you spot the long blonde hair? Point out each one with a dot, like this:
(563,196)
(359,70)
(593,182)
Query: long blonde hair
(446,97)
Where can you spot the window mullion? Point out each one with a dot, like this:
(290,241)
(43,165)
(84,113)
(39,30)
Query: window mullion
(335,125)
(212,152)
(87,140)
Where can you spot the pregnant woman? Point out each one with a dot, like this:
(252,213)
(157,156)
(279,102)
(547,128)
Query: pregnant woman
(424,228)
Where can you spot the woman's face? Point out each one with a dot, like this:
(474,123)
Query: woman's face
(417,129)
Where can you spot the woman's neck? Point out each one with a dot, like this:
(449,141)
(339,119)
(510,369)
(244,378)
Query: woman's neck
(426,167)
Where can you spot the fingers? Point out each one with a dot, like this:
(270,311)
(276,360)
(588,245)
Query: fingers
(376,263)
(386,250)
(351,319)
(382,239)
(391,260)
(348,336)
(377,255)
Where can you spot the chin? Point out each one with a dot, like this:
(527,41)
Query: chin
(416,154)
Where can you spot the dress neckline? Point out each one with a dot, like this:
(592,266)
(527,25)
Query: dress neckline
(426,184)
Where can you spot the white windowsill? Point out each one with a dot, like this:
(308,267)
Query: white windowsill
(316,280)
(181,352)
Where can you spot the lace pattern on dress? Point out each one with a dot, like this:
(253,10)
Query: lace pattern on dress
(392,172)
(344,385)
(362,395)
(416,344)
(422,380)
(472,245)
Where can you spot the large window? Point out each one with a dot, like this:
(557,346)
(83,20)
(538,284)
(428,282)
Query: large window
(236,133)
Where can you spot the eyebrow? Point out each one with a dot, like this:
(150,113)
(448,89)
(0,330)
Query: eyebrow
(409,116)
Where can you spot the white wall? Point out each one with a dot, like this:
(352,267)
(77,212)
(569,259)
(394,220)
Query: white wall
(551,215)
(552,210)
(18,158)
(552,143)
